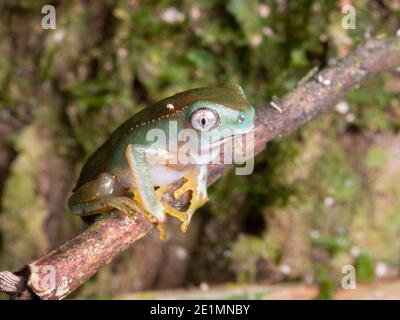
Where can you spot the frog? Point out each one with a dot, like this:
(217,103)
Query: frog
(130,172)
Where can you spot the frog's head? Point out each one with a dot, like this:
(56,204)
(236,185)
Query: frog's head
(220,112)
(207,117)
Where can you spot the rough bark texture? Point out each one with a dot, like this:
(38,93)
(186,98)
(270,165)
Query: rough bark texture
(83,256)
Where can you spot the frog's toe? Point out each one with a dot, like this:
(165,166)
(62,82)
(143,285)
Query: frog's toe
(198,200)
(189,185)
(182,216)
(161,228)
(159,219)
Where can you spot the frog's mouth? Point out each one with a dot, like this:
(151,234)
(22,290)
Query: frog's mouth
(222,141)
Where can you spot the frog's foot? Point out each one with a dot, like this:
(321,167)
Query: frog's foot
(180,215)
(198,198)
(151,218)
(126,205)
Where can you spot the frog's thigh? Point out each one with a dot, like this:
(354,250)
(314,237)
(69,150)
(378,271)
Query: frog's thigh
(96,196)
(95,190)
(136,157)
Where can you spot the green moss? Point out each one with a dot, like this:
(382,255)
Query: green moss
(371,106)
(326,285)
(245,253)
(377,157)
(335,245)
(365,271)
(246,14)
(24,211)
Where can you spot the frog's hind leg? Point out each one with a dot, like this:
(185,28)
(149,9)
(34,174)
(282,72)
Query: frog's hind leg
(196,182)
(101,196)
(94,196)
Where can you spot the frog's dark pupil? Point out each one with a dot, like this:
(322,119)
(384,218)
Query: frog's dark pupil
(203,122)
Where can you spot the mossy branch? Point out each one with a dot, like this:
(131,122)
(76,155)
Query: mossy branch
(60,272)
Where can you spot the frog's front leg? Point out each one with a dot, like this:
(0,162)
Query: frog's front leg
(196,182)
(144,189)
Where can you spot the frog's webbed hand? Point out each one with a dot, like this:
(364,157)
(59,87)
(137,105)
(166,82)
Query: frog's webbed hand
(144,189)
(97,196)
(196,182)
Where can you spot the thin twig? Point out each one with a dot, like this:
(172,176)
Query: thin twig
(9,282)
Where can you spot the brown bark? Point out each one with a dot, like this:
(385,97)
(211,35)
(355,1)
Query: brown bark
(83,256)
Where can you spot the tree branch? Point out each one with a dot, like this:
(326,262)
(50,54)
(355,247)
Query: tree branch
(60,272)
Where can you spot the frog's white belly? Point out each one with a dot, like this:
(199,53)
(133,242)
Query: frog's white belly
(161,175)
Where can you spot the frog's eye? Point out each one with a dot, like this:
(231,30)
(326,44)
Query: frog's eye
(204,119)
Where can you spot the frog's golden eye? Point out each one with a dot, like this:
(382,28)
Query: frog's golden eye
(204,119)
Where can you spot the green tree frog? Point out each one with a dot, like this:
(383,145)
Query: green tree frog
(131,171)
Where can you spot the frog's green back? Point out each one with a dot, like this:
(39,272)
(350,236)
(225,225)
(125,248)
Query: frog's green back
(231,96)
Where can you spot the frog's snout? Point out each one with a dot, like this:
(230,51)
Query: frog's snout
(246,120)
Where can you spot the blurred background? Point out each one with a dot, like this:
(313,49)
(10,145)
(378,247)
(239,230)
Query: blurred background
(324,197)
